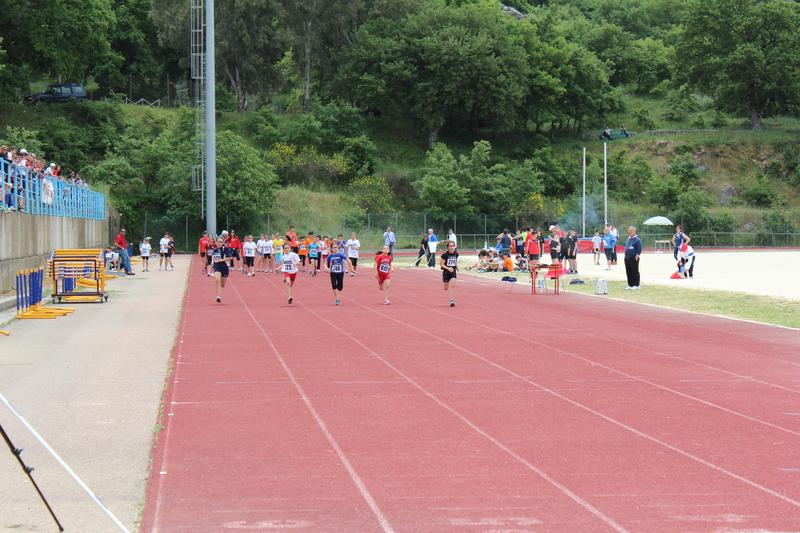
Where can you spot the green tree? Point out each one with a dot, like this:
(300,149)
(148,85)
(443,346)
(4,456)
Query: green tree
(743,53)
(692,208)
(664,191)
(440,189)
(58,38)
(439,63)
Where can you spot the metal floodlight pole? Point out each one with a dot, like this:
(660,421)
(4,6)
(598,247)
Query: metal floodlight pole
(211,125)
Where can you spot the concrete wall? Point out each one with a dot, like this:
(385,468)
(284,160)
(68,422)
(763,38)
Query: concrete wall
(26,241)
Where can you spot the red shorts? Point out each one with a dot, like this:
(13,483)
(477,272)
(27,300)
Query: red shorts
(382,277)
(290,276)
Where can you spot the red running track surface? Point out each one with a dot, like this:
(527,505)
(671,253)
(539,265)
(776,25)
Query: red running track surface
(509,413)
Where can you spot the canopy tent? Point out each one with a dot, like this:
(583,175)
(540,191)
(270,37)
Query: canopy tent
(657,221)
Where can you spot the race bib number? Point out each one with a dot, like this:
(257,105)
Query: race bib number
(287,266)
(384,268)
(451,261)
(336,268)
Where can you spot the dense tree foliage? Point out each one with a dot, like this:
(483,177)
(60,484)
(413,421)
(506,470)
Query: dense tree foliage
(744,53)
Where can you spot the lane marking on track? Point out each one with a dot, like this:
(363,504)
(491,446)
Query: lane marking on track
(579,405)
(360,485)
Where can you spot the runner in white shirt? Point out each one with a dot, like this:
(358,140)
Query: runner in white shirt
(262,261)
(353,246)
(269,251)
(289,268)
(249,250)
(163,251)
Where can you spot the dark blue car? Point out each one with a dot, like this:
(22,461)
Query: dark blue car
(57,93)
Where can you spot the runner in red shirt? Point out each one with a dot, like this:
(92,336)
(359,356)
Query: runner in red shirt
(383,270)
(235,245)
(203,244)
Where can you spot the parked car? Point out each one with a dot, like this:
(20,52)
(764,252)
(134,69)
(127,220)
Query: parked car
(57,93)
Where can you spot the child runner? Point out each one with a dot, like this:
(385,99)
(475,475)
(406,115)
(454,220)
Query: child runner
(302,245)
(353,246)
(290,262)
(144,251)
(249,252)
(269,250)
(163,250)
(203,245)
(448,262)
(262,261)
(313,255)
(337,263)
(277,246)
(597,243)
(220,257)
(383,270)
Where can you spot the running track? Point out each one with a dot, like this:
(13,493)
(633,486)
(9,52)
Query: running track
(509,413)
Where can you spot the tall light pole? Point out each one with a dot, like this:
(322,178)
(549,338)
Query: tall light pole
(211,125)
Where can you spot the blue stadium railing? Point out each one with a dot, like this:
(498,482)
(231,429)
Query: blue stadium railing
(32,192)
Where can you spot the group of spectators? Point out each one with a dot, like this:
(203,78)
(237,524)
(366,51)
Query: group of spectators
(22,170)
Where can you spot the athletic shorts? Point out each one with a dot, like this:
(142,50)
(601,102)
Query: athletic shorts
(292,276)
(224,271)
(572,256)
(533,257)
(164,254)
(337,281)
(353,260)
(268,256)
(383,277)
(447,275)
(236,253)
(595,250)
(202,254)
(313,259)
(248,261)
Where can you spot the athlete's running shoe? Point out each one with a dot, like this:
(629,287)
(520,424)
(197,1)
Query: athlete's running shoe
(386,302)
(291,299)
(337,302)
(452,303)
(219,299)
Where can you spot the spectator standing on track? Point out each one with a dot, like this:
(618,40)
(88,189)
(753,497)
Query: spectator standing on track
(448,262)
(144,252)
(389,239)
(432,249)
(383,270)
(686,259)
(337,264)
(555,247)
(678,239)
(609,247)
(633,249)
(290,262)
(220,255)
(532,246)
(121,247)
(597,245)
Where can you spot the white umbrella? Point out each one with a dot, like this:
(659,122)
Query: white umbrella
(657,221)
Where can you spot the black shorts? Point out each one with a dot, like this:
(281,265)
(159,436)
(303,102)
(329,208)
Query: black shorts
(609,253)
(202,254)
(268,256)
(353,260)
(222,270)
(337,281)
(447,275)
(236,253)
(248,261)
(572,256)
(534,257)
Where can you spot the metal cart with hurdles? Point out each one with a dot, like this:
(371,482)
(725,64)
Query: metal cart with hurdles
(78,275)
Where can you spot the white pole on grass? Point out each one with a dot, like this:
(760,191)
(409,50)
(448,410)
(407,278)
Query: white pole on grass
(64,465)
(605,181)
(583,227)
